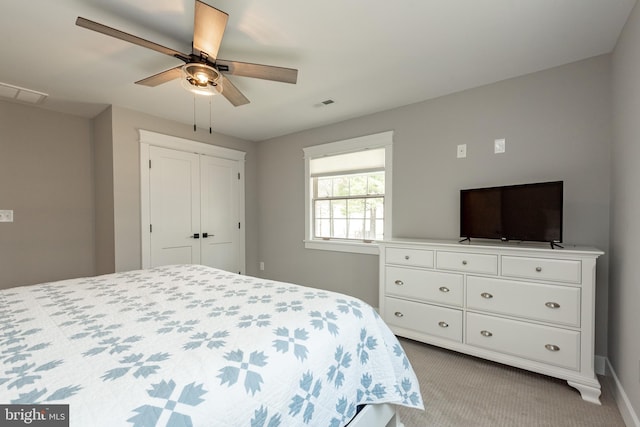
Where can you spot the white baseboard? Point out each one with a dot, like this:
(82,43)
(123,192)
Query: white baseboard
(624,405)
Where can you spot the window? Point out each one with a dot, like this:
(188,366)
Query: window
(348,193)
(349,206)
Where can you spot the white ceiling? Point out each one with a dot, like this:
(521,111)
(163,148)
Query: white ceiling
(366,55)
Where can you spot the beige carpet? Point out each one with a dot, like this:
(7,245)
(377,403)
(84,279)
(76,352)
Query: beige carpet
(461,390)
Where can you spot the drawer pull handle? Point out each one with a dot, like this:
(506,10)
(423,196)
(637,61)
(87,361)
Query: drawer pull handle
(486,334)
(444,289)
(443,324)
(464,262)
(552,304)
(399,282)
(407,257)
(538,269)
(552,347)
(486,295)
(398,314)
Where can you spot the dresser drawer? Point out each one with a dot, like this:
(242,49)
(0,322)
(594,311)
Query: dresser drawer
(424,285)
(414,257)
(548,303)
(467,262)
(555,346)
(424,318)
(557,270)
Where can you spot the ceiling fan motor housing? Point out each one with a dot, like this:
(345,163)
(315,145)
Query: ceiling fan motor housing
(201,78)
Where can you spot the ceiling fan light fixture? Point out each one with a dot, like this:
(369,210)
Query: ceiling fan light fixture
(201,79)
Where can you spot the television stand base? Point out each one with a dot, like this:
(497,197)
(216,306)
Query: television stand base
(554,244)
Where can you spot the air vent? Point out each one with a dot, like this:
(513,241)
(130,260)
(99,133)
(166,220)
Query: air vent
(21,94)
(324,103)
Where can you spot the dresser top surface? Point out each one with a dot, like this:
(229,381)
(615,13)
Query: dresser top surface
(541,247)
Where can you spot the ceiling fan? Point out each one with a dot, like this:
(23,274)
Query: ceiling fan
(203,72)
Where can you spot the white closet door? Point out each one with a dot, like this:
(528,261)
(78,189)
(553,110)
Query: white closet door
(174,202)
(220,219)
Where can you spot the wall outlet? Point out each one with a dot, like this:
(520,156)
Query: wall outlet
(261,265)
(499,145)
(6,216)
(462,151)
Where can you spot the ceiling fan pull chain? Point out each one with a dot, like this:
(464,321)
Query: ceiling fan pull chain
(210,116)
(194,112)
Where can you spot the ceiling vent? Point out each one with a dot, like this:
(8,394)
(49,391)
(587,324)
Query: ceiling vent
(21,94)
(324,103)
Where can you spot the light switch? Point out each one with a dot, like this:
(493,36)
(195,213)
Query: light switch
(462,151)
(6,216)
(499,145)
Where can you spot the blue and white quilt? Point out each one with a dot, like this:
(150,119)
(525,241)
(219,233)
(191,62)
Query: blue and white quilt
(191,345)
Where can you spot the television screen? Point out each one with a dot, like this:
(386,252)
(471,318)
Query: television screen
(528,212)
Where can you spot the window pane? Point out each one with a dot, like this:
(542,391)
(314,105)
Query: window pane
(358,185)
(375,183)
(340,228)
(375,208)
(322,228)
(369,233)
(379,232)
(323,208)
(356,229)
(339,208)
(324,187)
(356,208)
(340,186)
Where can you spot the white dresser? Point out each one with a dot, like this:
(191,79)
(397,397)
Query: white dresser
(523,305)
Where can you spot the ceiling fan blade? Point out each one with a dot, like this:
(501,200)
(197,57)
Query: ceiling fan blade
(208,29)
(95,26)
(232,93)
(266,72)
(163,77)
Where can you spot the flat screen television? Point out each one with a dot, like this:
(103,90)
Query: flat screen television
(525,212)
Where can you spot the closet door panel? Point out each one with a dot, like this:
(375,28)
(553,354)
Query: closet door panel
(220,213)
(174,200)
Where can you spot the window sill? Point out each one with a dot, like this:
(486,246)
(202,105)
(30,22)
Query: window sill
(342,246)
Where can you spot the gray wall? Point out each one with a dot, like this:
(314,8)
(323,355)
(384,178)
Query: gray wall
(103,192)
(557,126)
(624,308)
(74,186)
(46,177)
(126,181)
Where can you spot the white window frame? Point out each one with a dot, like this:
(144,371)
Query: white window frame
(378,140)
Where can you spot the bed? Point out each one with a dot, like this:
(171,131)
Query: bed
(191,345)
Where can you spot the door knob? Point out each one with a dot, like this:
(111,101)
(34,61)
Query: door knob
(205,235)
(195,236)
